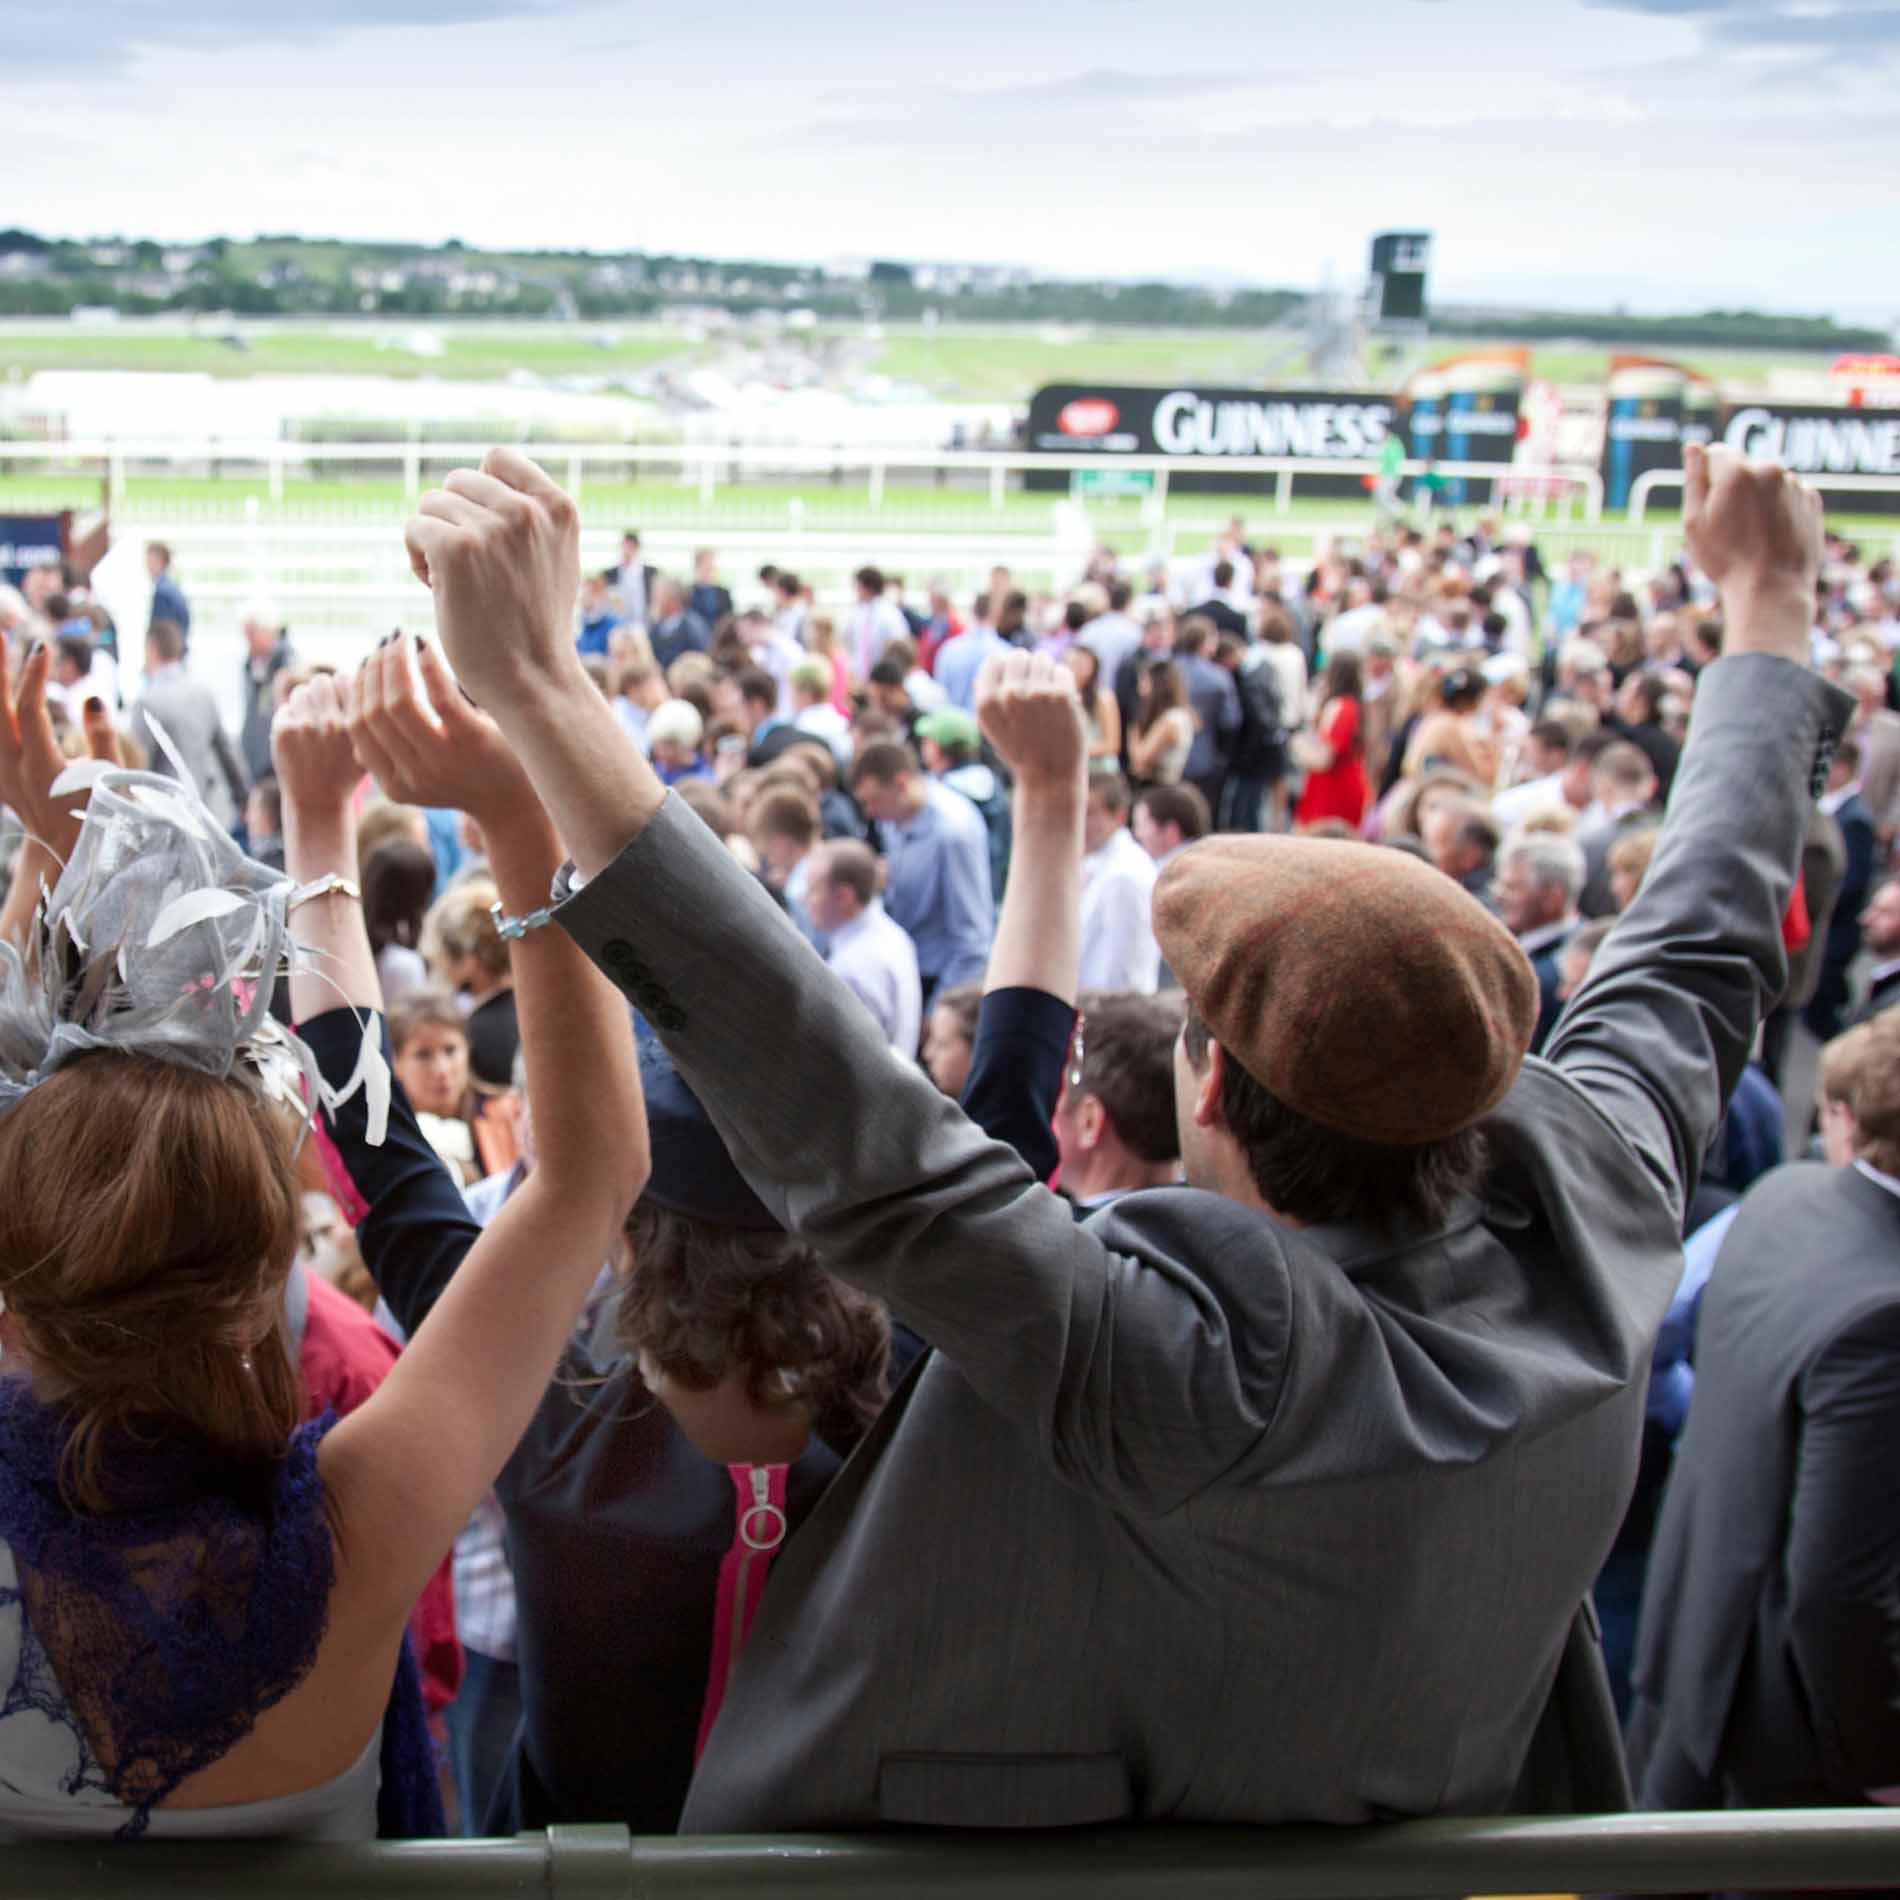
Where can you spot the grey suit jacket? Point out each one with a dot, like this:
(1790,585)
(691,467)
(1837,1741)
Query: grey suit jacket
(1191,1515)
(187,710)
(1768,1661)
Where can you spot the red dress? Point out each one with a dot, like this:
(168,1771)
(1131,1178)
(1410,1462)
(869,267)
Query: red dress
(1340,791)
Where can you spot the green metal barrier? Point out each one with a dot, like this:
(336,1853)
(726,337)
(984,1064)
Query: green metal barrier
(1664,1853)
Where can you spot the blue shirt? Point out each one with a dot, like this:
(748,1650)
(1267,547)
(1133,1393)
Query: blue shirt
(597,633)
(684,633)
(959,661)
(937,886)
(169,603)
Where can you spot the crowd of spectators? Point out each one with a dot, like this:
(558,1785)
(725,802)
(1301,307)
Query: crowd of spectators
(1496,764)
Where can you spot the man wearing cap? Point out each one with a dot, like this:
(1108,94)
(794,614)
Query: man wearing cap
(1270,1497)
(951,747)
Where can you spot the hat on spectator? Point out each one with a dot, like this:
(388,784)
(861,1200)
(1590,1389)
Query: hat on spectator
(1363,989)
(692,1172)
(948,726)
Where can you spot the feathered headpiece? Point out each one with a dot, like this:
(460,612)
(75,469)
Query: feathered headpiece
(162,938)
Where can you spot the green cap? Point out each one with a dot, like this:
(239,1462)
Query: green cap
(948,726)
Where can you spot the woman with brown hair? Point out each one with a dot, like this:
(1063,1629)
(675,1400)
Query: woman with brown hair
(1332,754)
(203,1600)
(398,883)
(473,1130)
(1164,728)
(1101,717)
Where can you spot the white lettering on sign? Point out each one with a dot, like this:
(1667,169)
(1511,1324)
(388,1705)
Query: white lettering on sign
(1187,424)
(1818,445)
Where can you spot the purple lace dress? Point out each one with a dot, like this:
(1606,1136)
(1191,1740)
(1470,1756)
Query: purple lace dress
(137,1647)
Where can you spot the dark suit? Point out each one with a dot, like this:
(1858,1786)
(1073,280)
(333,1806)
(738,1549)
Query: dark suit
(1882,993)
(1226,619)
(681,633)
(1824,1010)
(1180,1469)
(710,602)
(1547,962)
(1768,1662)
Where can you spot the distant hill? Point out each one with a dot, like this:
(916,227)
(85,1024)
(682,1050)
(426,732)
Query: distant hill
(296,276)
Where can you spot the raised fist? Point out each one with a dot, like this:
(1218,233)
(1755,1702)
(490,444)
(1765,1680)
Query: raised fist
(1756,532)
(1028,710)
(310,747)
(500,548)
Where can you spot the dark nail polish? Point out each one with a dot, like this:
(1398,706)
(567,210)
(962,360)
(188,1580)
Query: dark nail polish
(95,708)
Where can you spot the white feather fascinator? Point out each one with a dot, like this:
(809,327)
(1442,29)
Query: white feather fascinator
(163,939)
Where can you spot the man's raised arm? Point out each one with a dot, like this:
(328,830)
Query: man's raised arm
(1660,1032)
(1125,1375)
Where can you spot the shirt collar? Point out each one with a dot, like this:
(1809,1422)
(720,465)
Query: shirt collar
(1888,1181)
(1545,935)
(1831,802)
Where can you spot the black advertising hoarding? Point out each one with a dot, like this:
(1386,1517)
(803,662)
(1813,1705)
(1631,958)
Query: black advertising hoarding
(1465,409)
(1816,440)
(1210,426)
(1648,422)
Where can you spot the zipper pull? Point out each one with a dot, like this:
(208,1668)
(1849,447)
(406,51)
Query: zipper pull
(763,1526)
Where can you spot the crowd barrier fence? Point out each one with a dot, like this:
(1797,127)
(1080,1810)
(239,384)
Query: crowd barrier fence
(1829,1849)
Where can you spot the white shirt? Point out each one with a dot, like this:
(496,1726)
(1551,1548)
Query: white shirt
(873,625)
(824,721)
(1832,802)
(1510,808)
(1893,1187)
(631,585)
(878,961)
(1350,631)
(1119,951)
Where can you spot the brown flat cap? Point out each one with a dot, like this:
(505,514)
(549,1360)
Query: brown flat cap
(1359,986)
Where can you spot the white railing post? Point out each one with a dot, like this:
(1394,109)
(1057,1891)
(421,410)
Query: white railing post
(115,480)
(275,470)
(877,487)
(574,477)
(999,480)
(1283,492)
(707,475)
(412,471)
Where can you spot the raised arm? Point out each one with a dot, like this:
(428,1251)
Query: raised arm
(407,1467)
(1030,715)
(1659,1033)
(1126,1372)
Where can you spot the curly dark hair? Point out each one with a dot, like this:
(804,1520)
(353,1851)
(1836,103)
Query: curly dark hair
(703,1299)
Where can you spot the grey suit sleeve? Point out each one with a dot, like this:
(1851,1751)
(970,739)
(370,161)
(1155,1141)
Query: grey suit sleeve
(1843,1552)
(1660,1031)
(1129,1376)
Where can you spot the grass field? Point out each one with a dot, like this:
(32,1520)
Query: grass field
(1002,364)
(824,507)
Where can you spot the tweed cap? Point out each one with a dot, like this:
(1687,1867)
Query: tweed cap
(1359,986)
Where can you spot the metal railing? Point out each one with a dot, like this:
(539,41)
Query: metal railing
(709,464)
(1840,1849)
(1646,485)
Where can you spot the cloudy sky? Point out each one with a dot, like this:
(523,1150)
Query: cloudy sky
(1659,153)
